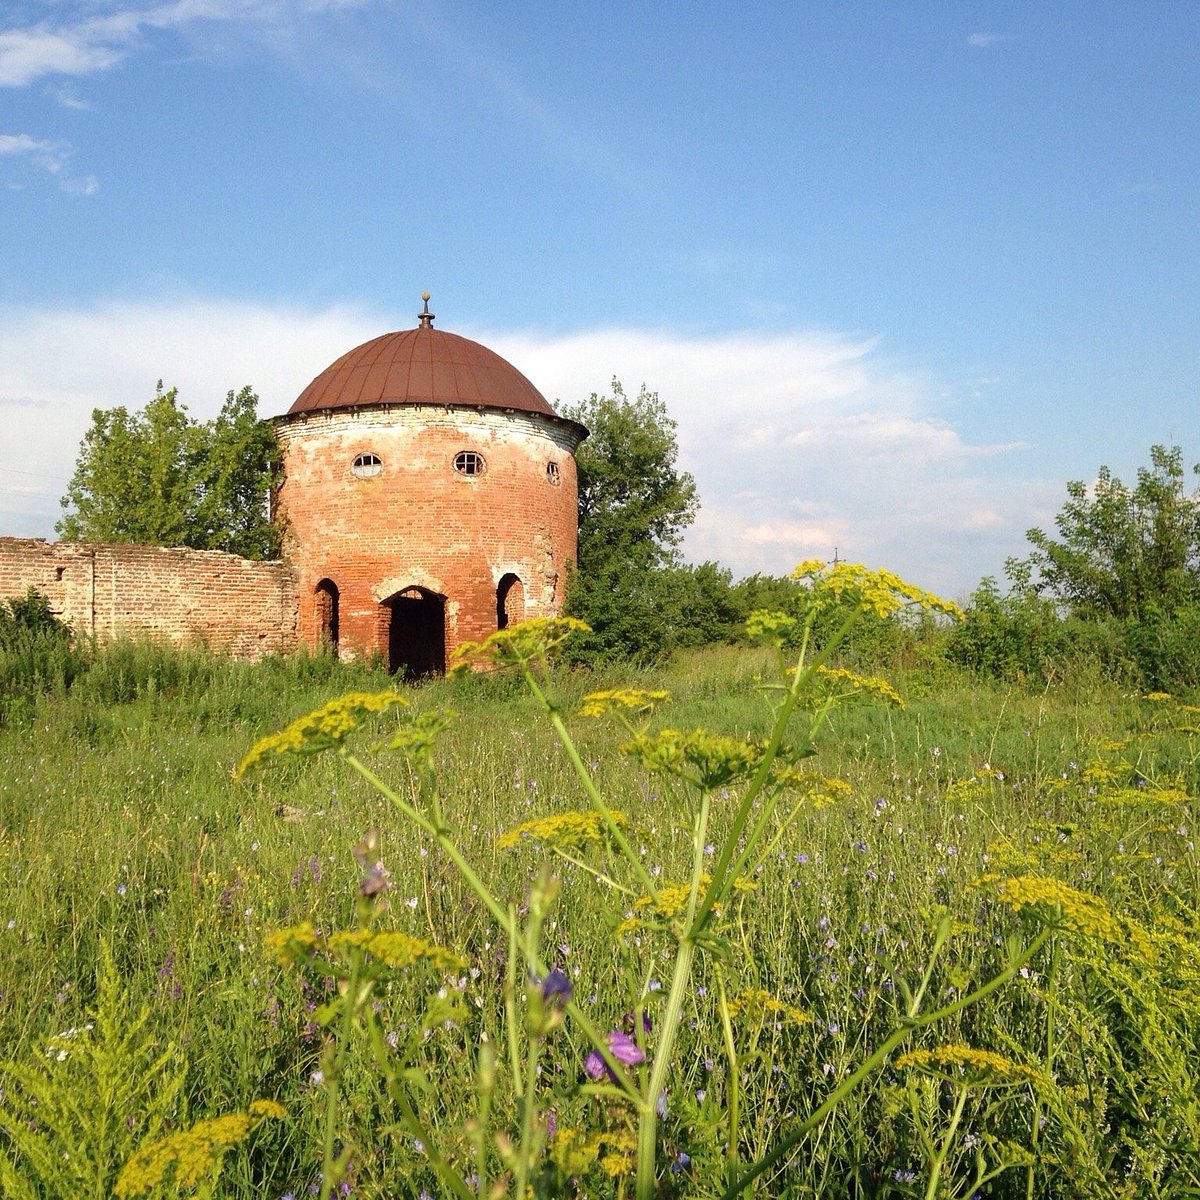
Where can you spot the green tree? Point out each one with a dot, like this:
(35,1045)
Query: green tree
(634,504)
(1129,553)
(156,477)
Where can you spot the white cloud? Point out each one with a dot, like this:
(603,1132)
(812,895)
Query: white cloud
(67,97)
(800,443)
(52,157)
(97,37)
(982,40)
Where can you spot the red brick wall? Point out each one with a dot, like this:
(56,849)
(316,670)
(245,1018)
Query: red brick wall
(421,523)
(230,603)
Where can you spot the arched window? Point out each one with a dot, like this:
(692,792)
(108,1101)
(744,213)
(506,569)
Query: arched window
(327,613)
(366,466)
(510,601)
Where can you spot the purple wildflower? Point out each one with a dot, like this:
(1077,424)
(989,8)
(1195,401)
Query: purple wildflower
(622,1048)
(557,988)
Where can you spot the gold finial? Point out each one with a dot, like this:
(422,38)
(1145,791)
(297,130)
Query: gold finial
(425,317)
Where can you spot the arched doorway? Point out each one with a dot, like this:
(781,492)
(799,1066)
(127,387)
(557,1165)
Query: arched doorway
(417,633)
(327,613)
(510,601)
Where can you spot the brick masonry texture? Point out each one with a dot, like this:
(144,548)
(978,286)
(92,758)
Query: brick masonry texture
(480,548)
(226,602)
(419,523)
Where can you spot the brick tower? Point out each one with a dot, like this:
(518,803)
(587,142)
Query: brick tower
(429,497)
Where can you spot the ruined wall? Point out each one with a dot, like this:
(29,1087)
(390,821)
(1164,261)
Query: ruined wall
(228,603)
(419,522)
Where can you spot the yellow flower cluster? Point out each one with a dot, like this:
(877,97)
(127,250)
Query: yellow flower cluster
(758,1004)
(394,948)
(322,728)
(1081,912)
(965,791)
(820,789)
(850,683)
(415,738)
(390,946)
(562,831)
(1165,797)
(967,1064)
(634,700)
(521,643)
(773,626)
(193,1155)
(574,1152)
(878,592)
(670,902)
(712,760)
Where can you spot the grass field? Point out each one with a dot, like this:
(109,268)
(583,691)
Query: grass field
(978,832)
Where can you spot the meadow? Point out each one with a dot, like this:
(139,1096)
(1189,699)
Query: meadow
(952,951)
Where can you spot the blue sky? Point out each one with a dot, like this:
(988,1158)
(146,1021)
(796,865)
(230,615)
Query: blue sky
(898,271)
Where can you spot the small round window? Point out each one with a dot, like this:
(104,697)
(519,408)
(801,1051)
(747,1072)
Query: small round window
(469,462)
(366,466)
(552,472)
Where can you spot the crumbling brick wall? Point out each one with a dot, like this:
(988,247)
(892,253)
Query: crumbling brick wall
(229,603)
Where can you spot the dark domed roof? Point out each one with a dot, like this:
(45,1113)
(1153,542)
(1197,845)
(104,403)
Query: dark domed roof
(421,366)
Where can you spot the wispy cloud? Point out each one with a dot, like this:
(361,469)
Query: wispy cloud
(800,443)
(982,40)
(97,37)
(67,97)
(51,157)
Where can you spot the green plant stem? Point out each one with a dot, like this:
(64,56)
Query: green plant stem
(588,784)
(939,1160)
(895,1039)
(1035,1133)
(648,1122)
(528,1109)
(800,677)
(504,918)
(735,1087)
(331,1168)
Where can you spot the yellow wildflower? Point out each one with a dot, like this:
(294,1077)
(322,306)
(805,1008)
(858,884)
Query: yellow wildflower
(851,683)
(193,1155)
(758,1004)
(1079,912)
(394,948)
(524,642)
(292,945)
(708,759)
(1147,795)
(563,831)
(322,728)
(635,700)
(672,901)
(967,1064)
(880,592)
(773,626)
(390,946)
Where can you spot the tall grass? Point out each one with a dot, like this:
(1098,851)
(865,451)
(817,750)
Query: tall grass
(121,826)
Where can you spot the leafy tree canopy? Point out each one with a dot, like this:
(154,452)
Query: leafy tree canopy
(634,504)
(1125,552)
(156,477)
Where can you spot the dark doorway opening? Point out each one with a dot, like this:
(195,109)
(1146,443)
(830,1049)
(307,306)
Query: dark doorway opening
(510,601)
(327,613)
(417,634)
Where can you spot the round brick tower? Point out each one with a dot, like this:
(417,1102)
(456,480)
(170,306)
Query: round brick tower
(429,497)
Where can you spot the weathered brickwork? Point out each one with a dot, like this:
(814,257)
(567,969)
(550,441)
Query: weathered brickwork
(493,545)
(226,602)
(429,497)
